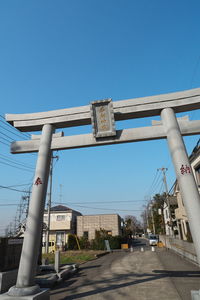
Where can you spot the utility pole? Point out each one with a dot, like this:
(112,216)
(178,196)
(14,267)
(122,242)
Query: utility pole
(167,197)
(49,204)
(152,217)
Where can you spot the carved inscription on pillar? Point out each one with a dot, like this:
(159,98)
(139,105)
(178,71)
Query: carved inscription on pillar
(102,116)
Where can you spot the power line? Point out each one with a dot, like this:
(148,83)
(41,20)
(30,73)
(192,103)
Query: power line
(9,204)
(110,209)
(19,168)
(99,202)
(15,162)
(27,135)
(5,139)
(5,143)
(7,136)
(10,188)
(153,183)
(12,132)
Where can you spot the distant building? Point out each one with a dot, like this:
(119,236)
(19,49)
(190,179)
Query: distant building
(63,222)
(87,225)
(169,207)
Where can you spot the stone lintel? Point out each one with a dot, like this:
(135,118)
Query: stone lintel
(123,110)
(122,136)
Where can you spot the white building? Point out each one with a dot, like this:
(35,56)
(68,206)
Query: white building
(62,223)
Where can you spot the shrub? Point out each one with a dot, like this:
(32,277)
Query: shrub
(72,243)
(84,242)
(99,242)
(115,242)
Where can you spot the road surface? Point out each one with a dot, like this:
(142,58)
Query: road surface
(137,275)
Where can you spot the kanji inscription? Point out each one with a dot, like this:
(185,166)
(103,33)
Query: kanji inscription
(102,117)
(185,169)
(38,181)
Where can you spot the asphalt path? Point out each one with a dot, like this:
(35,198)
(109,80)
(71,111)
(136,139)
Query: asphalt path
(136,275)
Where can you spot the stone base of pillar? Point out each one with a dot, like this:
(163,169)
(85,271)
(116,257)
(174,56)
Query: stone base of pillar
(195,295)
(26,293)
(42,295)
(7,279)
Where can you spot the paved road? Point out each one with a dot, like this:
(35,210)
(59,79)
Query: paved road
(132,275)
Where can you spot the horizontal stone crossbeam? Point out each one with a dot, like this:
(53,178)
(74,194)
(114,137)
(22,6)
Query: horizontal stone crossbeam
(123,136)
(123,110)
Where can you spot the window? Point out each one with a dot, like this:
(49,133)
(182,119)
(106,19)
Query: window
(85,234)
(109,232)
(60,218)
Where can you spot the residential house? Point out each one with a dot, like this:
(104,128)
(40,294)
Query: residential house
(63,222)
(88,225)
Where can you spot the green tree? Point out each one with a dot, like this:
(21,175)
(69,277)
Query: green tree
(155,213)
(132,225)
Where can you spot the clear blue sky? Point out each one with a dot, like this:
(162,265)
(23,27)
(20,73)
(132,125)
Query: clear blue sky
(60,54)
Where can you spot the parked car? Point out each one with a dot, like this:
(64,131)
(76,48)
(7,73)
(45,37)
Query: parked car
(153,240)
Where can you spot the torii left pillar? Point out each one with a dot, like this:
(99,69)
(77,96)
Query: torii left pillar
(25,287)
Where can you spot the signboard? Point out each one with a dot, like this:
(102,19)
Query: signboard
(15,241)
(102,116)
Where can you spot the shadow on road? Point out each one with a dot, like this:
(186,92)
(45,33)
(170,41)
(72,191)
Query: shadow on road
(114,283)
(188,274)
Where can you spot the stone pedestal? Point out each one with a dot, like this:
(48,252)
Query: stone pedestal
(7,279)
(42,295)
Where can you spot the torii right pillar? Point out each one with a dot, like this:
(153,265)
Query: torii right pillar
(184,175)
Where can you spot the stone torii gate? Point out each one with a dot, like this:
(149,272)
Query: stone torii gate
(103,115)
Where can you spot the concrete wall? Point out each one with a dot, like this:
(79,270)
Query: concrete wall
(181,247)
(90,224)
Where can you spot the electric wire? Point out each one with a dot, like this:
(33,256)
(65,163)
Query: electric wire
(99,202)
(5,143)
(14,133)
(161,188)
(153,183)
(12,189)
(27,135)
(9,204)
(19,168)
(15,162)
(5,139)
(109,209)
(11,140)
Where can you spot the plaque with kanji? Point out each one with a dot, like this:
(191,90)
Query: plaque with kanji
(102,116)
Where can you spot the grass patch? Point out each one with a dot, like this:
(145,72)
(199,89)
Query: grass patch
(76,256)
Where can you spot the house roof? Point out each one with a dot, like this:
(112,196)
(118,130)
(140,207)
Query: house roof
(63,208)
(60,208)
